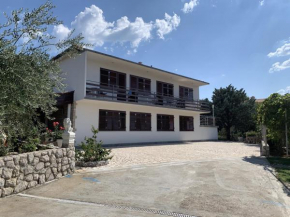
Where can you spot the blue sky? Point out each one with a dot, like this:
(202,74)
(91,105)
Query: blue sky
(245,43)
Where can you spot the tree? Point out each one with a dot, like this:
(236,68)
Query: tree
(272,114)
(234,109)
(29,77)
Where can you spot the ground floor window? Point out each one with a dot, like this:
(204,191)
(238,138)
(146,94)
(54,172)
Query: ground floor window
(140,121)
(112,120)
(186,123)
(165,122)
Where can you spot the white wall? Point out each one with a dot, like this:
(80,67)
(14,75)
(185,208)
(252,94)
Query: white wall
(87,114)
(94,63)
(75,76)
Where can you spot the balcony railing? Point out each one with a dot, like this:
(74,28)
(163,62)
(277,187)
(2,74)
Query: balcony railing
(207,121)
(99,91)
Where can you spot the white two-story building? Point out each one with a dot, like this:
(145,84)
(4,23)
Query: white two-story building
(132,103)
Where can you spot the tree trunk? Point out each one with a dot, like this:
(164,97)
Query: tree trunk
(228,133)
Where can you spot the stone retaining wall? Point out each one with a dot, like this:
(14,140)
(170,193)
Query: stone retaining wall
(23,171)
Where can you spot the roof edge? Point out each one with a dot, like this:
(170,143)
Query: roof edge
(97,52)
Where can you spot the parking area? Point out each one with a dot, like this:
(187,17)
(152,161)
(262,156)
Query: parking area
(229,182)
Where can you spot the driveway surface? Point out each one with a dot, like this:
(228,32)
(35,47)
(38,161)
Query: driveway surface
(229,183)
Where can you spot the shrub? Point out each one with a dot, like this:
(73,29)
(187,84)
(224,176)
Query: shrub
(29,146)
(92,150)
(251,134)
(4,150)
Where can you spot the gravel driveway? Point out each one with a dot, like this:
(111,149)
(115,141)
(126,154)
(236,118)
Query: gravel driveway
(179,152)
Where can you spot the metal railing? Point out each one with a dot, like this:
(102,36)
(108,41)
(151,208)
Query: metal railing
(207,120)
(107,92)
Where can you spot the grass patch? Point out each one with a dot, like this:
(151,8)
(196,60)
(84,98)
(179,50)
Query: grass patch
(282,173)
(279,160)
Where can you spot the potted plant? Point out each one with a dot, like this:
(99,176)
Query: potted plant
(58,130)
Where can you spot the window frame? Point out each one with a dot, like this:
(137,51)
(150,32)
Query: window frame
(183,97)
(114,120)
(180,123)
(117,78)
(168,88)
(137,83)
(162,127)
(141,113)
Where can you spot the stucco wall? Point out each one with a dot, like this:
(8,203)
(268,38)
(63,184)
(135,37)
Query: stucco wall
(23,171)
(87,114)
(74,73)
(94,65)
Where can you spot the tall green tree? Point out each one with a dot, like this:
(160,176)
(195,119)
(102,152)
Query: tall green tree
(29,77)
(234,110)
(271,113)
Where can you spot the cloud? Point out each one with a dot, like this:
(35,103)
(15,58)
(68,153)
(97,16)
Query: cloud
(262,2)
(276,67)
(188,7)
(284,91)
(97,31)
(167,25)
(61,31)
(284,50)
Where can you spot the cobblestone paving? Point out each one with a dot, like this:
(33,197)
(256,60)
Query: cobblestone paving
(191,151)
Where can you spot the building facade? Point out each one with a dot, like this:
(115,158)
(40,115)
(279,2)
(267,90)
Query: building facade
(133,103)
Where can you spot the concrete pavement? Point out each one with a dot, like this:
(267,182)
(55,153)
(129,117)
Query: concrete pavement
(220,187)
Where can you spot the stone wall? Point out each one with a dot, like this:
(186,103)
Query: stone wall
(23,171)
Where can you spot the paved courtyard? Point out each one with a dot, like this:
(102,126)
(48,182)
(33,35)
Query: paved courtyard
(194,179)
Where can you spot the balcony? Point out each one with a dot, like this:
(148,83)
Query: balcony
(99,91)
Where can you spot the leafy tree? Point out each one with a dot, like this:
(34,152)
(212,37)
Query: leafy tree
(272,114)
(234,109)
(29,77)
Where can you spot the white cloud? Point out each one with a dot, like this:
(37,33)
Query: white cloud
(284,91)
(262,2)
(167,25)
(284,50)
(61,31)
(97,31)
(276,67)
(188,7)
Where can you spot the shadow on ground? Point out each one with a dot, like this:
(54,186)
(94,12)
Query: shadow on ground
(262,161)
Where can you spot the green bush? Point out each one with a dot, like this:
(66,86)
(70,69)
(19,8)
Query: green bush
(29,146)
(4,150)
(92,150)
(251,134)
(222,134)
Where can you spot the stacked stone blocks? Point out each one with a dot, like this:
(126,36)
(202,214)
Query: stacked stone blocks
(24,171)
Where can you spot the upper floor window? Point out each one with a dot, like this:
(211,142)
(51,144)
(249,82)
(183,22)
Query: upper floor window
(186,123)
(140,84)
(164,89)
(140,121)
(112,120)
(165,122)
(186,93)
(113,78)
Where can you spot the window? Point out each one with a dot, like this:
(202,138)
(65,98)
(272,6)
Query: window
(186,93)
(140,121)
(112,78)
(116,81)
(164,89)
(140,84)
(165,123)
(112,120)
(186,123)
(140,87)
